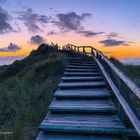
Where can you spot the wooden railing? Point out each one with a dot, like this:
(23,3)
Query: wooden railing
(120,84)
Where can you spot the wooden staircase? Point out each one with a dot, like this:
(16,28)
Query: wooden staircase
(82,108)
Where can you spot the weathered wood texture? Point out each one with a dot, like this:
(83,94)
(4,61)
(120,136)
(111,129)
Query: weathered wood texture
(123,83)
(77,93)
(73,136)
(82,107)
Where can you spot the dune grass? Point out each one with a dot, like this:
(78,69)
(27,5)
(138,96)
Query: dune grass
(26,90)
(132,71)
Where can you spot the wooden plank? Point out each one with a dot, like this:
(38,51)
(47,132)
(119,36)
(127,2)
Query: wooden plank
(89,119)
(81,70)
(75,136)
(81,61)
(83,93)
(71,105)
(81,78)
(101,103)
(79,64)
(55,127)
(81,73)
(80,67)
(75,58)
(82,84)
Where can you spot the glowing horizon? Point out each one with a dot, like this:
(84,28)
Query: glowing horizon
(110,26)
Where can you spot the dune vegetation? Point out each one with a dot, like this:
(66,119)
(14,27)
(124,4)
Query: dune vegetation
(132,71)
(27,87)
(26,90)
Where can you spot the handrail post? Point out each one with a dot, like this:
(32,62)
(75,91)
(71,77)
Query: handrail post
(97,55)
(84,52)
(78,49)
(71,47)
(74,48)
(122,90)
(92,52)
(125,93)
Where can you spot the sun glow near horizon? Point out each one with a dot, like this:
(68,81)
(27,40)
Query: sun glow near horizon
(117,52)
(112,27)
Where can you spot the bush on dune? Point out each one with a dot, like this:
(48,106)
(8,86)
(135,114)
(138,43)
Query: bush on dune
(26,90)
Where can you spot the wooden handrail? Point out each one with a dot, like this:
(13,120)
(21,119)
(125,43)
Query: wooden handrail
(132,86)
(132,116)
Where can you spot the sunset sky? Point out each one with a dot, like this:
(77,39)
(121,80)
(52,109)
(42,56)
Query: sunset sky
(112,26)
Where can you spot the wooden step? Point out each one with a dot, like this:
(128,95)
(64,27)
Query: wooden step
(81,67)
(82,105)
(81,73)
(84,84)
(82,123)
(75,78)
(79,64)
(82,93)
(81,61)
(81,70)
(66,128)
(76,58)
(82,108)
(75,136)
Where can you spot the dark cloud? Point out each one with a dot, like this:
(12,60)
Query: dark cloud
(114,42)
(5,19)
(11,48)
(37,40)
(89,33)
(112,34)
(71,21)
(52,33)
(33,20)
